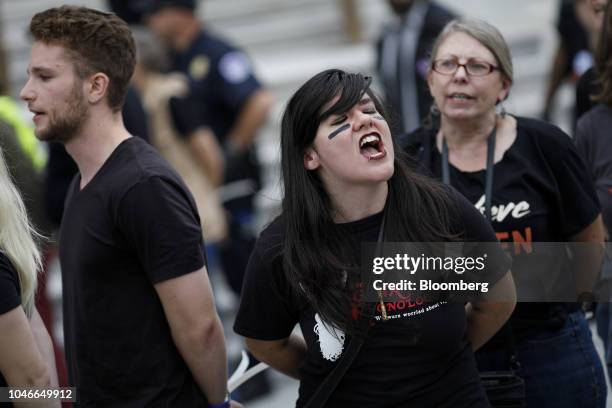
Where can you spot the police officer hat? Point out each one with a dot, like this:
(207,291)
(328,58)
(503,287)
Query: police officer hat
(144,7)
(133,11)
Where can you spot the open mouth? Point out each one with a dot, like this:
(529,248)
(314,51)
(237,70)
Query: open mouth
(371,146)
(460,97)
(37,114)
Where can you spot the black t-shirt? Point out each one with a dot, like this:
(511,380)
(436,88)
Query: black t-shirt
(588,85)
(10,298)
(418,358)
(541,193)
(134,224)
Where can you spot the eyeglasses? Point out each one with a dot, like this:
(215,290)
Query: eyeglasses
(448,66)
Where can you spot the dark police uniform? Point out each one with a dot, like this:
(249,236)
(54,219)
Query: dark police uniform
(221,80)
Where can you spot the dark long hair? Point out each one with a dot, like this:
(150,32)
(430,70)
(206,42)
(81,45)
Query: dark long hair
(315,255)
(603,59)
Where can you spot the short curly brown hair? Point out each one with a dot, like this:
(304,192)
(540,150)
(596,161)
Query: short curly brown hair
(96,41)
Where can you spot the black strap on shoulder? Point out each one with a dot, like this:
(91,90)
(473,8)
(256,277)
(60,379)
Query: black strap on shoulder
(327,387)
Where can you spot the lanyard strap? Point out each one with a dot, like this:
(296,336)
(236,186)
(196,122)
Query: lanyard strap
(331,381)
(490,166)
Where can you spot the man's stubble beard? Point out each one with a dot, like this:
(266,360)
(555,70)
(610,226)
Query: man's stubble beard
(64,128)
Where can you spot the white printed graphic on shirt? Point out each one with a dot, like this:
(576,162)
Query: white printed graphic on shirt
(235,67)
(500,212)
(331,342)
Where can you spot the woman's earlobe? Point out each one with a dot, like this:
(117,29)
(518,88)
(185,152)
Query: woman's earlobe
(507,84)
(429,79)
(311,159)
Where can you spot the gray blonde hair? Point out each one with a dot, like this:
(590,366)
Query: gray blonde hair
(17,238)
(484,33)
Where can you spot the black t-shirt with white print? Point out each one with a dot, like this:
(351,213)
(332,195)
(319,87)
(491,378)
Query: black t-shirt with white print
(421,357)
(541,193)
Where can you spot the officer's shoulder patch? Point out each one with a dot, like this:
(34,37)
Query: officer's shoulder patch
(235,67)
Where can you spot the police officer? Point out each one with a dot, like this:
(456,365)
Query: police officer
(225,96)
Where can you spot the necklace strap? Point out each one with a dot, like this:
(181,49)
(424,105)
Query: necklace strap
(379,244)
(490,168)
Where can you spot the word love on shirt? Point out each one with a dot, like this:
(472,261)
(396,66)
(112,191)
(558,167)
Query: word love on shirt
(500,212)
